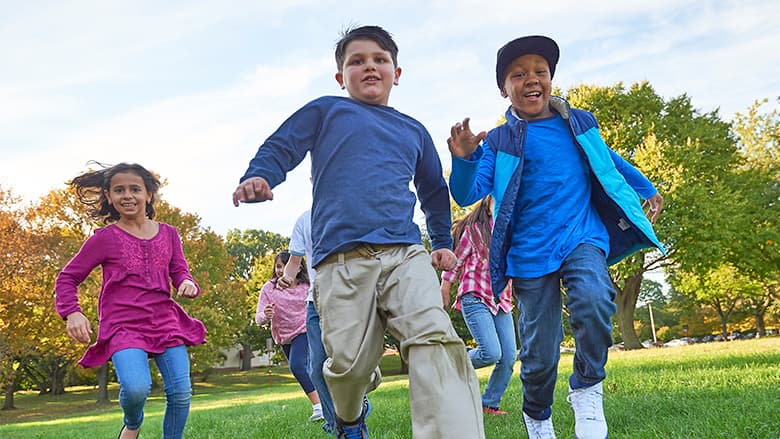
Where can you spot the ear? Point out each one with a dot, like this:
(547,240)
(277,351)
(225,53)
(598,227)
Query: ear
(396,75)
(340,80)
(503,93)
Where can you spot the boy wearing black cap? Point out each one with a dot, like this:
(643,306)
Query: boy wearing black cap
(566,206)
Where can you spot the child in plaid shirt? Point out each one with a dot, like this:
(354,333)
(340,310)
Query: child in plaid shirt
(490,323)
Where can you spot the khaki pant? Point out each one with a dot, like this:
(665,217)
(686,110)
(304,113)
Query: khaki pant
(363,292)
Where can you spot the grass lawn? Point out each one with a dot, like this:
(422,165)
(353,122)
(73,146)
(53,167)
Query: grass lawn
(715,390)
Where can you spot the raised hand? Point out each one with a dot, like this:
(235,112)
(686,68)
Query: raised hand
(252,190)
(462,141)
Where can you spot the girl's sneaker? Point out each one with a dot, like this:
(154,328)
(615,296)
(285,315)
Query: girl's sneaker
(316,414)
(493,411)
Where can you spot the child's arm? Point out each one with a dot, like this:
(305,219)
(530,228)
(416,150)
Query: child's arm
(462,141)
(471,178)
(261,316)
(179,270)
(640,184)
(291,269)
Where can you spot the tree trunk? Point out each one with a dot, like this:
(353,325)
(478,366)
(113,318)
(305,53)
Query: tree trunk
(8,401)
(626,306)
(760,325)
(246,357)
(102,377)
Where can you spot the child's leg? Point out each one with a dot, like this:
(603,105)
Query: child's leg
(540,331)
(298,358)
(480,322)
(174,366)
(135,383)
(504,326)
(591,305)
(443,388)
(352,330)
(317,358)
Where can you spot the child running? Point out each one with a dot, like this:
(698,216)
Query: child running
(285,308)
(373,274)
(137,317)
(567,206)
(490,323)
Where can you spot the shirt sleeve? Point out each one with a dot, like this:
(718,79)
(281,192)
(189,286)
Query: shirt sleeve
(462,253)
(262,301)
(298,237)
(287,146)
(633,176)
(178,267)
(433,195)
(68,280)
(471,179)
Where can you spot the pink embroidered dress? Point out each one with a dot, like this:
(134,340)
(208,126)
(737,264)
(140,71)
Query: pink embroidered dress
(475,273)
(135,306)
(289,310)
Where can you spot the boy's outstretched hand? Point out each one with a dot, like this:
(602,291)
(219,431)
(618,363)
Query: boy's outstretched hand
(252,190)
(462,142)
(654,206)
(443,259)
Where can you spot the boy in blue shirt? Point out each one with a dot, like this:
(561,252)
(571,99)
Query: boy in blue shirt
(566,206)
(373,273)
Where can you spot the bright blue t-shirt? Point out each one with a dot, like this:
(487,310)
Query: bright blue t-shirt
(554,213)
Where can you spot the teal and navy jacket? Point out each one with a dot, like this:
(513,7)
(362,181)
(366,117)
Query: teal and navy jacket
(615,199)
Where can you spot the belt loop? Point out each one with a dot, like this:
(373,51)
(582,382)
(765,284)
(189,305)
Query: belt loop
(341,258)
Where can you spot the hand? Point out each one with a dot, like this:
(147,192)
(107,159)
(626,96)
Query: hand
(462,141)
(78,327)
(443,259)
(445,293)
(269,310)
(252,190)
(654,204)
(187,289)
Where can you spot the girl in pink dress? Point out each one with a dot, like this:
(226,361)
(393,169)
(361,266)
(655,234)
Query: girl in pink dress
(137,317)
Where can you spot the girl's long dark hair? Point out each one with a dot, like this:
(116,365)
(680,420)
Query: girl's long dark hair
(303,274)
(91,188)
(480,217)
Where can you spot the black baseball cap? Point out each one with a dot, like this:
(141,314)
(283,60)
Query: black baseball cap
(530,45)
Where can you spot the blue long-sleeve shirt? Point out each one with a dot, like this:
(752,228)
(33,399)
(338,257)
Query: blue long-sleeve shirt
(363,160)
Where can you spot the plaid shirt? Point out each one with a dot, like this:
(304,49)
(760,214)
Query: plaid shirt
(475,273)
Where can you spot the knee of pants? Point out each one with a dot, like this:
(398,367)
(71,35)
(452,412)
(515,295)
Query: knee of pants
(594,311)
(179,391)
(135,393)
(491,354)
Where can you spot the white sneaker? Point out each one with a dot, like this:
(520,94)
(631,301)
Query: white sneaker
(539,429)
(588,405)
(316,414)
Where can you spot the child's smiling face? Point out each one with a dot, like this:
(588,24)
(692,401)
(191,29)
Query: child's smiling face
(368,72)
(527,84)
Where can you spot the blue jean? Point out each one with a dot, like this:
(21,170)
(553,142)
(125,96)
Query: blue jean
(317,358)
(297,354)
(135,383)
(495,337)
(590,300)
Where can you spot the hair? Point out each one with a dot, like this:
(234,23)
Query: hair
(373,33)
(479,217)
(303,273)
(91,188)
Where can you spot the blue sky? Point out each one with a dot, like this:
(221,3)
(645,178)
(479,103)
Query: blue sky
(189,89)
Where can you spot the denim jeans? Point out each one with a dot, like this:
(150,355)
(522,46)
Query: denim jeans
(495,337)
(297,354)
(135,383)
(317,358)
(590,300)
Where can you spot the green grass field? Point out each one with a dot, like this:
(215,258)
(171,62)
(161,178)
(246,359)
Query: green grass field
(715,390)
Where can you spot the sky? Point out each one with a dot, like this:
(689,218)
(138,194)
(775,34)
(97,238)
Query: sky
(190,89)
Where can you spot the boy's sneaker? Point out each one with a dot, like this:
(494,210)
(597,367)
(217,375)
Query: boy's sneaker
(357,430)
(493,411)
(539,429)
(588,405)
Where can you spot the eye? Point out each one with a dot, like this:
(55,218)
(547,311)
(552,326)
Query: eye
(356,62)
